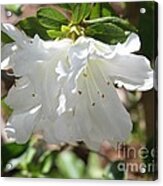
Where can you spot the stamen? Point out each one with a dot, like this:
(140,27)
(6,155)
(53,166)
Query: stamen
(73,112)
(89,91)
(103,75)
(94,82)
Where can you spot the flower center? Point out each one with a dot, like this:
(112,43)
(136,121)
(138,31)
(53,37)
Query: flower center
(73,31)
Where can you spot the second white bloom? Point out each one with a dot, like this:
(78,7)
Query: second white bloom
(95,111)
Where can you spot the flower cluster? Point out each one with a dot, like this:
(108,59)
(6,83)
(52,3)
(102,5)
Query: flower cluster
(66,88)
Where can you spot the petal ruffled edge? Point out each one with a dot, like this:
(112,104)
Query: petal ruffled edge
(18,36)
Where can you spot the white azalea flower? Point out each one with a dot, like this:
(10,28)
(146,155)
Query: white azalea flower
(66,89)
(95,111)
(35,97)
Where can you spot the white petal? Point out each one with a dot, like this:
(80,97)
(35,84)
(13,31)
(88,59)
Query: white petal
(93,103)
(38,60)
(132,44)
(94,145)
(78,56)
(65,129)
(131,71)
(22,96)
(46,128)
(19,37)
(80,49)
(72,125)
(128,70)
(7,50)
(62,102)
(88,46)
(155,77)
(36,52)
(20,126)
(61,70)
(97,114)
(49,85)
(115,121)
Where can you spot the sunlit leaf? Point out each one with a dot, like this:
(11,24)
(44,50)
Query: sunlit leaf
(51,18)
(101,10)
(106,32)
(31,27)
(30,154)
(80,12)
(47,164)
(46,161)
(107,10)
(5,38)
(96,11)
(122,23)
(69,165)
(94,168)
(55,34)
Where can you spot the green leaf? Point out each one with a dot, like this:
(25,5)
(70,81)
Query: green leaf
(51,18)
(10,151)
(47,164)
(31,26)
(14,8)
(106,32)
(55,34)
(69,165)
(94,168)
(5,38)
(122,23)
(80,12)
(101,10)
(106,10)
(96,11)
(30,153)
(46,161)
(68,6)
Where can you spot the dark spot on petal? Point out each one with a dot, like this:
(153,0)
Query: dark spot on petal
(84,74)
(33,95)
(108,83)
(93,104)
(102,95)
(79,92)
(116,85)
